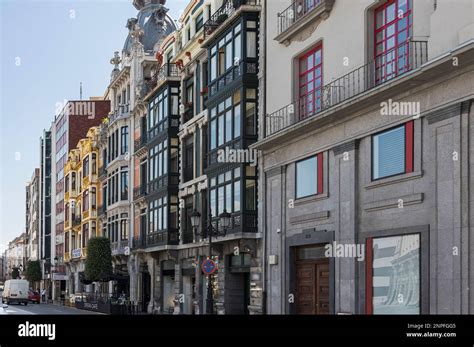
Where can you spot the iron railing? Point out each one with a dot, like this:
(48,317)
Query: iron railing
(141,142)
(394,63)
(165,71)
(140,191)
(297,10)
(228,8)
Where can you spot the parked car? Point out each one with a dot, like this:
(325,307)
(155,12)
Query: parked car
(34,296)
(15,291)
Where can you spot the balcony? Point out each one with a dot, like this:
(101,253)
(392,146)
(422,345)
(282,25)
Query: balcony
(162,238)
(121,112)
(232,74)
(140,192)
(102,171)
(227,10)
(188,114)
(119,247)
(76,221)
(138,243)
(164,72)
(395,63)
(299,15)
(140,144)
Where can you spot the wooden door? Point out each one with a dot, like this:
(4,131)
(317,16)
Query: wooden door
(312,287)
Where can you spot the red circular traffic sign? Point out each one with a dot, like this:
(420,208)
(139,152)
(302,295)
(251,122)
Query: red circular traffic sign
(208,266)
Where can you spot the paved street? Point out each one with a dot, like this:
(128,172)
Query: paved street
(43,309)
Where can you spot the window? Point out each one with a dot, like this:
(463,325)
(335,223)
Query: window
(73,181)
(94,228)
(85,201)
(93,198)
(199,21)
(392,33)
(85,234)
(157,215)
(227,53)
(66,212)
(225,193)
(310,81)
(309,176)
(225,121)
(124,227)
(124,140)
(85,167)
(392,152)
(124,184)
(94,164)
(158,161)
(393,275)
(158,113)
(66,184)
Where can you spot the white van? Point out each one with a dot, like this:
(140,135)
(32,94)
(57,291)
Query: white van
(15,291)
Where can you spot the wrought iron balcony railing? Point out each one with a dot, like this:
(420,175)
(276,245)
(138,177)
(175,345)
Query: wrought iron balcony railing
(140,192)
(141,142)
(297,10)
(394,63)
(165,71)
(228,8)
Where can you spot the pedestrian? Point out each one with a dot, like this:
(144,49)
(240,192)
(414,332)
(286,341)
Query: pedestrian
(43,295)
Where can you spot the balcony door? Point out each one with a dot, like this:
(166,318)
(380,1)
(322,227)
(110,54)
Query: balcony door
(393,22)
(310,82)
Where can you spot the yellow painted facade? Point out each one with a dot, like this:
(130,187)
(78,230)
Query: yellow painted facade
(82,193)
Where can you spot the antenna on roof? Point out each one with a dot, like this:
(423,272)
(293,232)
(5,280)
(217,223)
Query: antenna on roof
(80,91)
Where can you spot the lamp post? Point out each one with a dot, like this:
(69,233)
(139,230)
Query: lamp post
(210,231)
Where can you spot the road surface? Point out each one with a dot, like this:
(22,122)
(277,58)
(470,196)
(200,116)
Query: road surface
(43,309)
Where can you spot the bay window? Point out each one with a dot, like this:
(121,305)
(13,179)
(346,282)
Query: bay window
(392,152)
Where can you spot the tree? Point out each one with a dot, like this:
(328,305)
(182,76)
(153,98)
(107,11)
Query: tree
(99,259)
(15,273)
(33,271)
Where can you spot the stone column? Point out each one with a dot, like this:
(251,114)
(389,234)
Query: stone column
(256,282)
(343,183)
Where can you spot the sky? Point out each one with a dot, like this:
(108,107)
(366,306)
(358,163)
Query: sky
(47,48)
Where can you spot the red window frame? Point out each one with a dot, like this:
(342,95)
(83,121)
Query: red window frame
(319,175)
(409,149)
(310,82)
(395,60)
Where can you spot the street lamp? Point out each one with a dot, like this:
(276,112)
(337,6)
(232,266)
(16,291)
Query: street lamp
(210,231)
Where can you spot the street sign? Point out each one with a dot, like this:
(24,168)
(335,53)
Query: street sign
(208,267)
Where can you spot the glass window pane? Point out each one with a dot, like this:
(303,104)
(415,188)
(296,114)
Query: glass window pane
(228,126)
(251,44)
(237,121)
(389,153)
(306,177)
(396,275)
(237,196)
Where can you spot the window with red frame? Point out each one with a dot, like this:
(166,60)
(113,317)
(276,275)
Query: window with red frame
(392,151)
(393,23)
(310,81)
(309,176)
